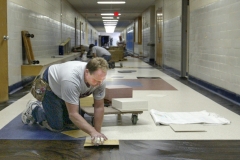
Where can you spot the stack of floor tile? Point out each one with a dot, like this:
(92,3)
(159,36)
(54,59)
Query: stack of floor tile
(117,53)
(87,101)
(118,91)
(130,104)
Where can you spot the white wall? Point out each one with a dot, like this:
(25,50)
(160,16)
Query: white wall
(43,19)
(172,34)
(148,32)
(214,40)
(214,36)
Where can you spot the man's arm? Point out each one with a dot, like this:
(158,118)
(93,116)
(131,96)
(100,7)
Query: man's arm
(80,122)
(81,54)
(94,54)
(98,114)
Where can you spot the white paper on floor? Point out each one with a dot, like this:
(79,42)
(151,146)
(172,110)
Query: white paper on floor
(203,117)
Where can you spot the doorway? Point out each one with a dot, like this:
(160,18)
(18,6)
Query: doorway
(104,41)
(3,52)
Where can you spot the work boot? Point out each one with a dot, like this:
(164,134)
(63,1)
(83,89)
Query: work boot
(113,65)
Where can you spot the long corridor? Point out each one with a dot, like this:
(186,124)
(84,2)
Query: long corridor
(145,140)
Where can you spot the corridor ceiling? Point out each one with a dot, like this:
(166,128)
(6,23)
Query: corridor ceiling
(129,11)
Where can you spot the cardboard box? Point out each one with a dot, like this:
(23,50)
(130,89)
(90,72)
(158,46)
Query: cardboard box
(130,104)
(86,101)
(116,55)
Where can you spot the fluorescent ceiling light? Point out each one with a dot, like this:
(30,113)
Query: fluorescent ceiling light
(111,2)
(110,20)
(110,24)
(107,17)
(110,9)
(110,29)
(108,14)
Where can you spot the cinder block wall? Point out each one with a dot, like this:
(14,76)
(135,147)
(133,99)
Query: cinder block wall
(172,34)
(214,50)
(148,33)
(44,20)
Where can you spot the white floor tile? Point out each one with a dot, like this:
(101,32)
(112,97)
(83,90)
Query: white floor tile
(184,99)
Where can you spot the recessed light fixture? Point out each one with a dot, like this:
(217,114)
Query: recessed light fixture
(109,29)
(110,9)
(108,14)
(111,2)
(110,20)
(110,24)
(107,17)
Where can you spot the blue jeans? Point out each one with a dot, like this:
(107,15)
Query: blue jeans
(54,110)
(107,57)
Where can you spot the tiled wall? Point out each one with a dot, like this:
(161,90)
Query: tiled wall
(92,36)
(172,34)
(148,33)
(46,32)
(172,8)
(172,43)
(195,4)
(145,41)
(214,50)
(43,19)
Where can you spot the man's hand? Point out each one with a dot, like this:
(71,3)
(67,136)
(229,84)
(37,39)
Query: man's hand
(81,123)
(98,138)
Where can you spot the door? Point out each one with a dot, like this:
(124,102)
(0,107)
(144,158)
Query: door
(3,52)
(159,26)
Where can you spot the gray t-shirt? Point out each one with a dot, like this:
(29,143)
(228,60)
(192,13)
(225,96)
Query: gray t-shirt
(67,82)
(100,51)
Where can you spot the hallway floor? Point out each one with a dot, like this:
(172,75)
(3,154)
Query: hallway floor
(164,92)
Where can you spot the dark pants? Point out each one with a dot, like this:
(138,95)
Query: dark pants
(54,110)
(107,57)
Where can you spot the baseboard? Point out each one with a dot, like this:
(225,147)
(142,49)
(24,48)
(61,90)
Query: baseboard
(172,70)
(19,85)
(233,97)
